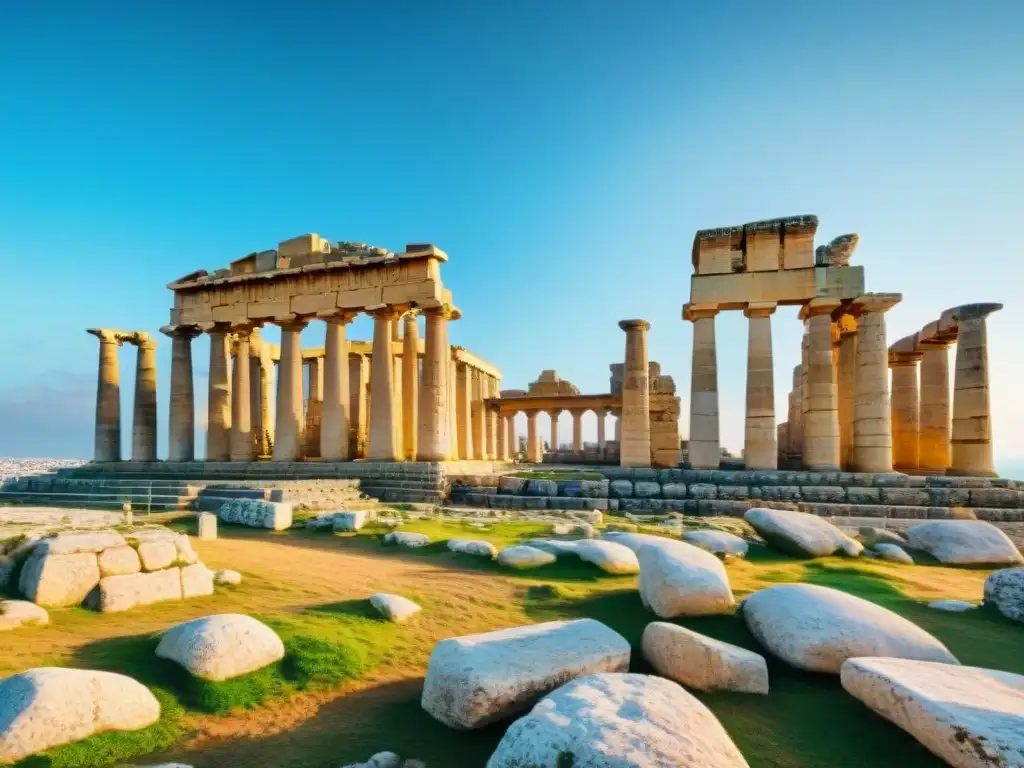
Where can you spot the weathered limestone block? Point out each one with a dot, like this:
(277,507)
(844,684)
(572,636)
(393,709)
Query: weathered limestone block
(911,497)
(718,542)
(594,489)
(964,542)
(394,607)
(618,720)
(257,513)
(74,542)
(816,628)
(522,556)
(995,497)
(703,491)
(800,534)
(46,707)
(227,578)
(859,495)
(620,489)
(351,520)
(824,494)
(893,553)
(542,488)
(476,547)
(677,579)
(157,555)
(968,716)
(478,679)
(701,662)
(119,560)
(607,555)
(646,489)
(514,485)
(407,539)
(674,490)
(122,593)
(1004,590)
(21,613)
(207,526)
(59,580)
(196,581)
(221,647)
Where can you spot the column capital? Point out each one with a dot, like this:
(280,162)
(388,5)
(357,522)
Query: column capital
(554,413)
(694,312)
(904,352)
(242,330)
(140,339)
(109,335)
(290,322)
(875,302)
(342,316)
(215,327)
(389,311)
(817,307)
(634,325)
(444,311)
(759,309)
(972,311)
(181,331)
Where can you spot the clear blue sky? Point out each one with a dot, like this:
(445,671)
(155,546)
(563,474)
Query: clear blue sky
(563,154)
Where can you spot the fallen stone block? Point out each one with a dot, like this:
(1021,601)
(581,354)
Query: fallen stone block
(701,662)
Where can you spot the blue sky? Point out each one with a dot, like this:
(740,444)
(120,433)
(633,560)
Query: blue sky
(563,154)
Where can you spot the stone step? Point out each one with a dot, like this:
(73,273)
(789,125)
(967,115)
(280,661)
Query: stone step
(388,494)
(98,501)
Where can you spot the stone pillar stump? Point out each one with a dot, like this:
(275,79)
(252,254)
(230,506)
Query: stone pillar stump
(635,448)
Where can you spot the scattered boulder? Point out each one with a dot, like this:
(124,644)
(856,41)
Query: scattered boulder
(893,553)
(477,679)
(407,539)
(701,662)
(476,547)
(49,706)
(968,716)
(118,561)
(184,554)
(20,613)
(257,513)
(555,546)
(800,534)
(817,628)
(122,593)
(59,580)
(632,540)
(871,537)
(522,556)
(227,578)
(351,519)
(157,555)
(75,542)
(953,606)
(606,720)
(964,542)
(196,581)
(387,760)
(607,555)
(221,647)
(1005,591)
(394,607)
(718,542)
(678,579)
(585,530)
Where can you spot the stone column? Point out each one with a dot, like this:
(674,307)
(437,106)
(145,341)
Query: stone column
(704,447)
(107,446)
(795,431)
(218,399)
(463,417)
(243,443)
(512,441)
(476,409)
(502,437)
(935,452)
(334,424)
(289,421)
(491,426)
(805,367)
(602,415)
(635,448)
(577,431)
(182,417)
(553,416)
(617,430)
(821,428)
(972,418)
(847,374)
(533,448)
(261,367)
(872,425)
(410,385)
(760,447)
(905,405)
(383,437)
(433,442)
(453,443)
(144,413)
(358,378)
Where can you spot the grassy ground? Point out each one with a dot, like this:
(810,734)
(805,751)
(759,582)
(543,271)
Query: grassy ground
(350,685)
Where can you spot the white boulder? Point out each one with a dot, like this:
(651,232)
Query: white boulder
(227,578)
(1005,591)
(48,706)
(556,547)
(893,553)
(351,519)
(157,555)
(59,580)
(679,579)
(118,561)
(608,556)
(964,542)
(871,537)
(196,581)
(74,542)
(20,613)
(800,534)
(968,716)
(522,556)
(221,647)
(818,628)
(620,721)
(394,607)
(476,547)
(718,542)
(122,593)
(407,539)
(478,679)
(257,513)
(701,662)
(207,526)
(633,540)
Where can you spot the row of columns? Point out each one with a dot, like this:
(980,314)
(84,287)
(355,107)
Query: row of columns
(534,444)
(108,397)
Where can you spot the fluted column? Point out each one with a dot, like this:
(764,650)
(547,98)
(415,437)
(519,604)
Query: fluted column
(463,414)
(359,376)
(512,440)
(704,445)
(476,410)
(491,424)
(760,447)
(261,366)
(577,431)
(602,415)
(805,367)
(243,443)
(334,423)
(553,416)
(821,428)
(872,422)
(410,385)
(218,399)
(635,448)
(533,448)
(289,422)
(383,437)
(144,415)
(905,407)
(502,437)
(935,453)
(972,417)
(433,442)
(453,441)
(795,432)
(846,384)
(182,413)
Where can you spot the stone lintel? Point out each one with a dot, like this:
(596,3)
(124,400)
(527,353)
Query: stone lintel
(760,309)
(816,307)
(973,311)
(875,302)
(693,312)
(342,316)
